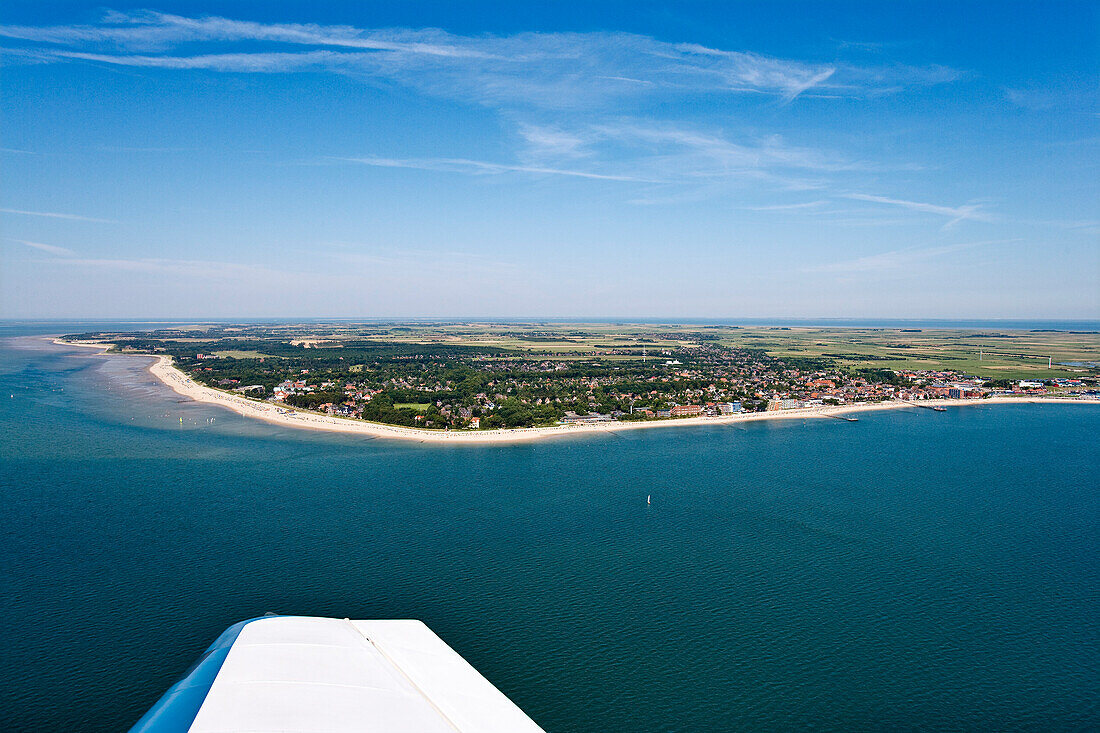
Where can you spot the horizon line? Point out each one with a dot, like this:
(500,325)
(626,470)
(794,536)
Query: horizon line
(580,319)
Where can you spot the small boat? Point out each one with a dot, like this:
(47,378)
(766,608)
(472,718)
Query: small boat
(940,409)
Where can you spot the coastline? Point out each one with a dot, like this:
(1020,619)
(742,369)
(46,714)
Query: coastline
(179,382)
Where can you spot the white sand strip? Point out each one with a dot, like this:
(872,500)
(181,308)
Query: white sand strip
(163,370)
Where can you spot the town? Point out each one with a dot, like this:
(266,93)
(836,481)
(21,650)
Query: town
(470,385)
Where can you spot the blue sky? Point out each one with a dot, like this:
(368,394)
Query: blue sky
(894,160)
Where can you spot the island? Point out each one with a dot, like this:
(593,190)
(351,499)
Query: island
(530,378)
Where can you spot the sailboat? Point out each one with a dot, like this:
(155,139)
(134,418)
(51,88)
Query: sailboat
(649,499)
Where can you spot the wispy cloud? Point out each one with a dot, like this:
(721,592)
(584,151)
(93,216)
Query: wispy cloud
(480,167)
(238,62)
(198,269)
(954,213)
(626,79)
(541,69)
(868,46)
(443,263)
(805,206)
(1070,94)
(587,105)
(153,31)
(133,149)
(326,268)
(55,215)
(52,249)
(863,81)
(641,152)
(552,140)
(680,154)
(718,154)
(1083,226)
(898,259)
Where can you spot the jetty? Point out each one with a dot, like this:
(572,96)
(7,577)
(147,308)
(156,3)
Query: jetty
(936,408)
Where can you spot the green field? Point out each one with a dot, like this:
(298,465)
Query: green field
(992,353)
(418,406)
(995,354)
(525,374)
(238,354)
(1005,354)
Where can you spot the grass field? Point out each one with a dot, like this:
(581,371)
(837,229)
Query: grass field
(418,406)
(999,354)
(991,353)
(232,354)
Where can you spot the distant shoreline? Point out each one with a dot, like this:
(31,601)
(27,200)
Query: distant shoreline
(182,384)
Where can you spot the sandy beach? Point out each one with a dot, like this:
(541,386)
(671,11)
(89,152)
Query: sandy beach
(162,369)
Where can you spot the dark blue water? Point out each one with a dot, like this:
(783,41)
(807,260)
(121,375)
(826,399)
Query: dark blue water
(913,570)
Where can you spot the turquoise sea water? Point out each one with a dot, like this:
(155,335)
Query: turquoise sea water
(913,570)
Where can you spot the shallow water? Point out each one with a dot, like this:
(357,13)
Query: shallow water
(911,570)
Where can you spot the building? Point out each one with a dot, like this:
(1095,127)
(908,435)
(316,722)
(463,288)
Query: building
(572,418)
(729,408)
(686,410)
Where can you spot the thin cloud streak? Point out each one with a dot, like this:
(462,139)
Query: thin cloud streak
(809,205)
(543,69)
(479,167)
(153,30)
(229,62)
(202,269)
(954,213)
(900,258)
(55,215)
(52,249)
(443,263)
(670,153)
(530,78)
